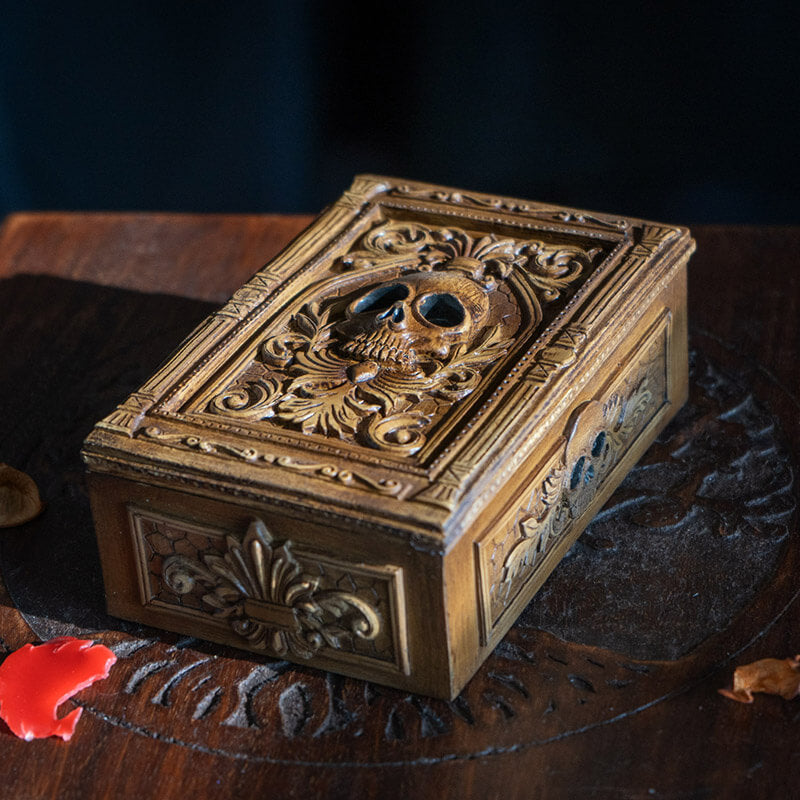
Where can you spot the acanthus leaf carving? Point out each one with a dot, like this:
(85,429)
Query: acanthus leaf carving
(377,367)
(597,436)
(545,521)
(259,588)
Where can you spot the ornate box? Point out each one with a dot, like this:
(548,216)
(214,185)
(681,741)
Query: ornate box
(373,455)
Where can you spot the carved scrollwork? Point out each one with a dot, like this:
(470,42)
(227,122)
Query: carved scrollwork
(400,433)
(336,614)
(253,400)
(597,436)
(389,240)
(552,270)
(511,206)
(345,477)
(182,575)
(487,258)
(259,588)
(378,365)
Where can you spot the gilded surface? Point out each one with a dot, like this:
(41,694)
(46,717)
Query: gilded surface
(419,318)
(254,455)
(393,346)
(597,436)
(277,600)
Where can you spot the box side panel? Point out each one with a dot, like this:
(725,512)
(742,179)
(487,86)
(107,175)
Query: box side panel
(280,585)
(517,543)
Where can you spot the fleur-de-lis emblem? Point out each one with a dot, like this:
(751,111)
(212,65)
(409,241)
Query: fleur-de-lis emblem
(259,587)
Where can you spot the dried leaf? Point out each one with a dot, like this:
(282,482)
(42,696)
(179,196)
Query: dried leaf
(19,497)
(780,676)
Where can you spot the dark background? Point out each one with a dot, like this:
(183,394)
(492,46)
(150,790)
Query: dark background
(677,113)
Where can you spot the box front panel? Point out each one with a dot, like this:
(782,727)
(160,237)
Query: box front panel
(278,597)
(276,584)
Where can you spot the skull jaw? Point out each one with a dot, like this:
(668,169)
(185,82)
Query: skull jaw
(383,347)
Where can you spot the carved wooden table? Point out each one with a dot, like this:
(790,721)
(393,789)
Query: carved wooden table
(606,686)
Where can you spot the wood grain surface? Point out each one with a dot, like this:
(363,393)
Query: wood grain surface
(606,686)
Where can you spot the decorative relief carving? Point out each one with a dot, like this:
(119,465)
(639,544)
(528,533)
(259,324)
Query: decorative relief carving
(445,490)
(258,587)
(256,291)
(329,472)
(526,678)
(243,300)
(653,238)
(455,197)
(718,477)
(559,354)
(597,436)
(543,522)
(127,416)
(380,364)
(363,188)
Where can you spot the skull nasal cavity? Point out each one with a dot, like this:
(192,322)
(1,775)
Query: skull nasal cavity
(444,310)
(381,298)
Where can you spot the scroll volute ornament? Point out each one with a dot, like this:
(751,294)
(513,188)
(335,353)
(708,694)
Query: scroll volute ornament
(259,587)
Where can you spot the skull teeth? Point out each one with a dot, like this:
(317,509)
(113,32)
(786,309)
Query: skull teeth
(382,348)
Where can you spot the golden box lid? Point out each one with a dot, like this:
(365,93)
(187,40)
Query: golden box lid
(399,359)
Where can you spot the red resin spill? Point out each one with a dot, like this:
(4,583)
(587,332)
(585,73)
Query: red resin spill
(35,680)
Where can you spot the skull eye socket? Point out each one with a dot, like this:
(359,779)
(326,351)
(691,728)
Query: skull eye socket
(381,298)
(442,309)
(598,444)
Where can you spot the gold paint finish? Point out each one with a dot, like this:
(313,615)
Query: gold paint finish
(374,454)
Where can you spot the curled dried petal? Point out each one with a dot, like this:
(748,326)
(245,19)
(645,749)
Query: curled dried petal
(780,676)
(19,497)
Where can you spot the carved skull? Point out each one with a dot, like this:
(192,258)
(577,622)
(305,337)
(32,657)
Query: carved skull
(587,455)
(414,318)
